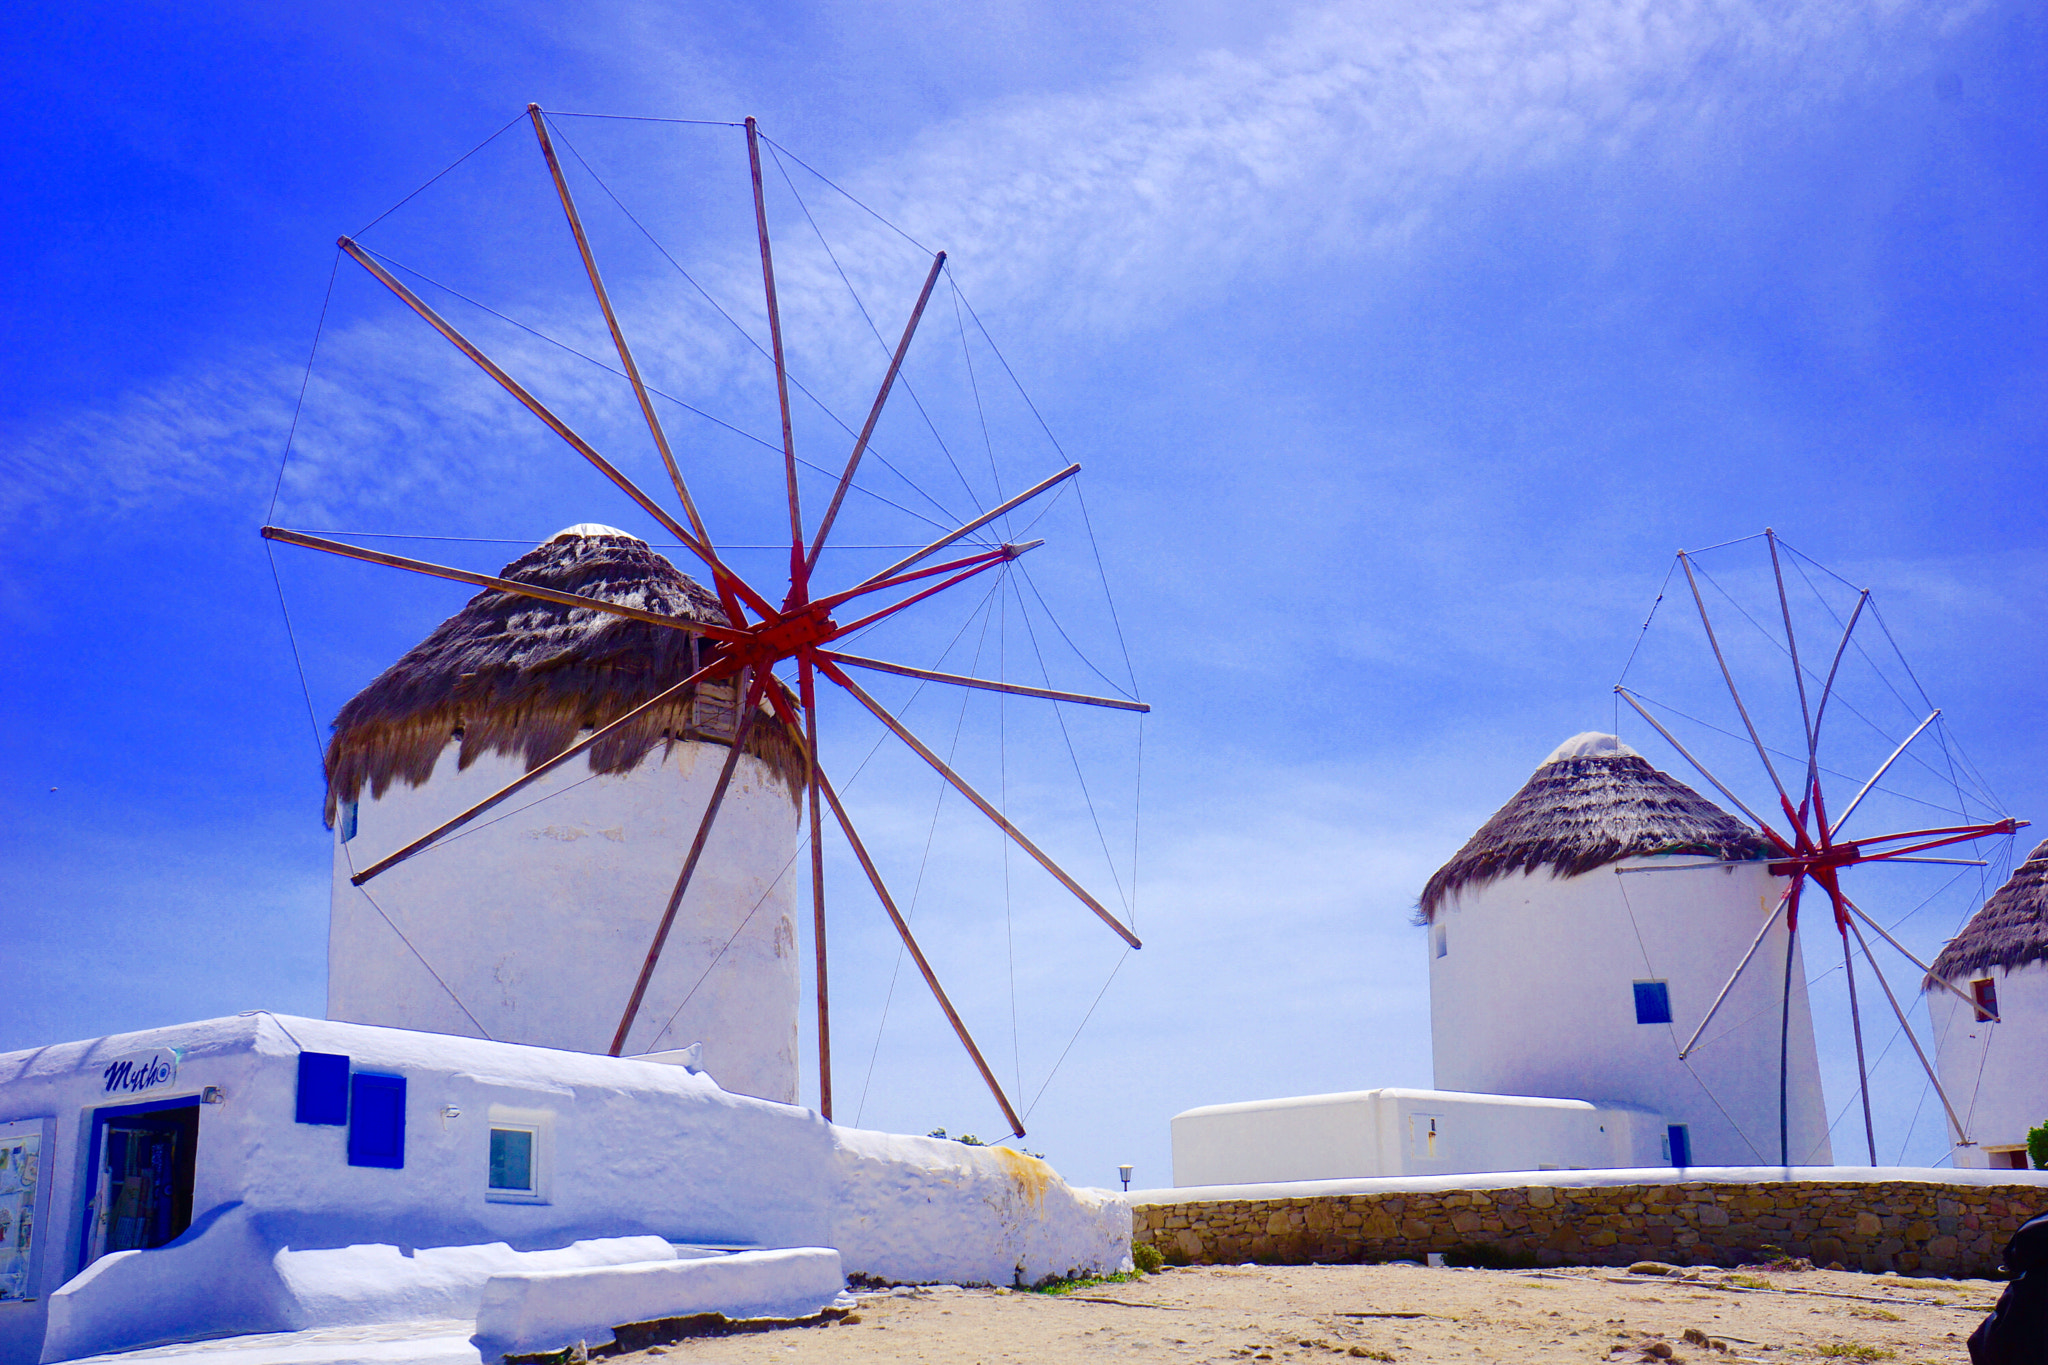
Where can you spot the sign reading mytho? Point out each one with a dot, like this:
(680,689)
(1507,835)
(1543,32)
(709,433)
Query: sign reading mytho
(140,1071)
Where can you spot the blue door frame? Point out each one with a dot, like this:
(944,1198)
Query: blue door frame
(91,1173)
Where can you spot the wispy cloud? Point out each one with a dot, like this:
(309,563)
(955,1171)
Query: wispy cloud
(1106,210)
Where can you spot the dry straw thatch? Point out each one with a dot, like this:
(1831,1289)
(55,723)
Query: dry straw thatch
(1584,811)
(516,675)
(2010,931)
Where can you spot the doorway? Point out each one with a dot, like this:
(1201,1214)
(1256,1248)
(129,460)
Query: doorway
(143,1160)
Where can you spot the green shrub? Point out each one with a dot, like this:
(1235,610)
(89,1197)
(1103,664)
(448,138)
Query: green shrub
(2037,1146)
(1146,1257)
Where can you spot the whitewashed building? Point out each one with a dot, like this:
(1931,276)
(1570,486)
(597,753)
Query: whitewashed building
(1574,944)
(1991,1056)
(271,1174)
(531,924)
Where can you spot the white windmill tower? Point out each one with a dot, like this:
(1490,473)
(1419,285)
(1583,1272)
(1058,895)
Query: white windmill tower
(1555,972)
(1990,1051)
(533,926)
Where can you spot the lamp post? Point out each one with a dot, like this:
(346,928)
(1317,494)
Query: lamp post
(1125,1172)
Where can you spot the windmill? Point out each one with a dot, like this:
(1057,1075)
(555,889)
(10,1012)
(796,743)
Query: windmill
(1781,746)
(796,625)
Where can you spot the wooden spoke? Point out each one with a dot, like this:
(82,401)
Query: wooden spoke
(1715,1008)
(1883,768)
(796,516)
(751,700)
(1856,1024)
(867,430)
(1729,678)
(1014,689)
(532,776)
(507,585)
(1785,1028)
(1827,690)
(854,627)
(900,580)
(971,527)
(1798,674)
(807,687)
(875,708)
(1701,768)
(1925,970)
(632,368)
(924,967)
(540,410)
(1962,1137)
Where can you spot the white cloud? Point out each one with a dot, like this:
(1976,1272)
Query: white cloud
(1110,209)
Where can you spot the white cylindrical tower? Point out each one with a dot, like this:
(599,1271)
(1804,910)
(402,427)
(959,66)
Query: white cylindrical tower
(530,925)
(1557,970)
(1994,1072)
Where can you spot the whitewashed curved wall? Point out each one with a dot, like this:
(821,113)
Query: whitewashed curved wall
(1996,1075)
(1534,996)
(538,920)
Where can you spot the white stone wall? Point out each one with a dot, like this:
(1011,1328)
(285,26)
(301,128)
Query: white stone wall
(1996,1075)
(537,918)
(1533,995)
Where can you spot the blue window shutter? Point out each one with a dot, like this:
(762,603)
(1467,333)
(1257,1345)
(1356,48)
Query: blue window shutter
(1681,1145)
(323,1088)
(1653,1002)
(376,1121)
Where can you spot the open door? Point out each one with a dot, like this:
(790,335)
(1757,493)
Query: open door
(145,1157)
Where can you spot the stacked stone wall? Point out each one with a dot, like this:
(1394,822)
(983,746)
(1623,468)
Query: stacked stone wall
(1927,1229)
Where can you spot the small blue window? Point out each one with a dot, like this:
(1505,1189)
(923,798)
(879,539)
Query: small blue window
(1680,1143)
(1443,941)
(1653,1002)
(376,1121)
(323,1088)
(348,821)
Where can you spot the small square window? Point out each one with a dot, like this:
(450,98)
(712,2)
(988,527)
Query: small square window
(512,1165)
(1985,993)
(1653,1002)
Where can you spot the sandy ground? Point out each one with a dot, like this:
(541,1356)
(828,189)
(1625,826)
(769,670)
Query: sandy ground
(1396,1313)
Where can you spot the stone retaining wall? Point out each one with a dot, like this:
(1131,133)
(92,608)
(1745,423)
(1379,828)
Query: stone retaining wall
(1930,1229)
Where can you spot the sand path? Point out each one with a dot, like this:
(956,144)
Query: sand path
(1400,1313)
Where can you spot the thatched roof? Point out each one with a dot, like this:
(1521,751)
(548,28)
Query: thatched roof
(1594,801)
(515,675)
(2010,931)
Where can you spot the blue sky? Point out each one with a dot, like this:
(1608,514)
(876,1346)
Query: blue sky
(1401,343)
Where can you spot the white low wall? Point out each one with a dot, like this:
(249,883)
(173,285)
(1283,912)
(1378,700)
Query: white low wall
(1398,1132)
(546,1310)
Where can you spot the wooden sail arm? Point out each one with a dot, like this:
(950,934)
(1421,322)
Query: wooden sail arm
(533,775)
(867,430)
(632,368)
(554,423)
(971,527)
(710,629)
(931,978)
(675,899)
(1017,836)
(960,680)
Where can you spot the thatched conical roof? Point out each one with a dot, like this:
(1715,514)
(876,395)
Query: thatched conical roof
(515,675)
(2010,931)
(1594,801)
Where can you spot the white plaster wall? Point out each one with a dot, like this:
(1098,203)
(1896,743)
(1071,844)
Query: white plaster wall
(538,919)
(632,1148)
(1534,996)
(1386,1132)
(1996,1075)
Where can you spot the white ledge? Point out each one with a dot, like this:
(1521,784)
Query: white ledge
(1655,1175)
